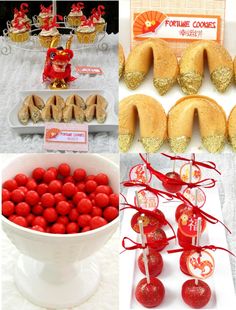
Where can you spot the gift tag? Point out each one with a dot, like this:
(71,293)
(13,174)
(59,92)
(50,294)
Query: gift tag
(200,265)
(147,200)
(185,171)
(150,223)
(188,223)
(189,193)
(138,174)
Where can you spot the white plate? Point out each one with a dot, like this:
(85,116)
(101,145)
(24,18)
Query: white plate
(221,282)
(226,100)
(109,125)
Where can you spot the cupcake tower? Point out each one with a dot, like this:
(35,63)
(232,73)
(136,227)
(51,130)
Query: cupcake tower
(195,260)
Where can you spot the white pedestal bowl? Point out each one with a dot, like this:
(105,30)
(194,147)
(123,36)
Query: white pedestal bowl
(58,271)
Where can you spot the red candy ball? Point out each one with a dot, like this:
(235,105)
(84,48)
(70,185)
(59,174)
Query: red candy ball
(17,195)
(50,215)
(21,179)
(39,221)
(97,221)
(69,189)
(72,228)
(38,174)
(10,185)
(55,187)
(63,208)
(110,213)
(101,179)
(84,206)
(22,209)
(150,295)
(20,220)
(155,263)
(172,188)
(42,189)
(49,176)
(32,198)
(79,174)
(84,220)
(58,228)
(47,200)
(5,195)
(8,208)
(64,170)
(102,200)
(38,228)
(96,211)
(90,186)
(196,296)
(183,262)
(114,200)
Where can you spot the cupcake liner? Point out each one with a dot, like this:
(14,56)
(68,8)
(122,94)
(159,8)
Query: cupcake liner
(86,37)
(74,21)
(100,27)
(19,37)
(45,41)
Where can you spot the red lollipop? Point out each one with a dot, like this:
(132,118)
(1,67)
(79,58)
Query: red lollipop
(183,262)
(155,263)
(150,295)
(159,237)
(183,240)
(179,211)
(172,188)
(196,295)
(150,223)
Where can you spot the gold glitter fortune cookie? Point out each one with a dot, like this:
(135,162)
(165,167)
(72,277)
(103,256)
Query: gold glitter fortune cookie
(165,65)
(121,60)
(212,123)
(152,122)
(192,66)
(232,128)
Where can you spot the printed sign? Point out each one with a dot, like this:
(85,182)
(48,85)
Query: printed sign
(188,223)
(200,265)
(89,70)
(185,173)
(139,173)
(184,27)
(67,137)
(190,194)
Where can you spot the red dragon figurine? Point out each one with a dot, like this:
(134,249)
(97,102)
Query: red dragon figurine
(57,68)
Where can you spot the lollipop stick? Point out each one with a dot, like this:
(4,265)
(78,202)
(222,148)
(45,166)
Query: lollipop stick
(199,229)
(54,7)
(145,260)
(174,165)
(138,204)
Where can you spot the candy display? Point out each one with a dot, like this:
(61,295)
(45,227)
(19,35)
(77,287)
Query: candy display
(74,17)
(192,63)
(195,260)
(59,110)
(152,121)
(58,200)
(232,128)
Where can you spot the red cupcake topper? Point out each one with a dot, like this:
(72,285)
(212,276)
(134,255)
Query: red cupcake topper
(46,10)
(87,22)
(49,23)
(77,7)
(99,12)
(19,24)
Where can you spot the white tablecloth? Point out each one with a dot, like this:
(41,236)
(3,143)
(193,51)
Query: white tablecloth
(22,70)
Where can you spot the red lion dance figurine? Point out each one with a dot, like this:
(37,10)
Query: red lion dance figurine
(57,68)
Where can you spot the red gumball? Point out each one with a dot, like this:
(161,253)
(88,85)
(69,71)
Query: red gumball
(155,263)
(196,295)
(159,238)
(172,188)
(150,295)
(183,262)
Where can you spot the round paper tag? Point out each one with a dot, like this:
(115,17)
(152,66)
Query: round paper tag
(185,172)
(200,265)
(138,174)
(147,200)
(188,223)
(150,223)
(189,193)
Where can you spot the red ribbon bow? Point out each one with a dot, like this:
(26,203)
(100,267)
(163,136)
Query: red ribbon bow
(159,217)
(199,212)
(205,164)
(24,8)
(206,183)
(158,192)
(152,245)
(77,7)
(18,24)
(199,249)
(44,9)
(97,13)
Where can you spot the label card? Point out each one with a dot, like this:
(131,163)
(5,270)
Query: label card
(89,70)
(66,137)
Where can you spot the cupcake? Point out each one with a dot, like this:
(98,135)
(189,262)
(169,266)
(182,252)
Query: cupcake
(19,32)
(98,21)
(86,32)
(50,32)
(74,17)
(20,15)
(45,13)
